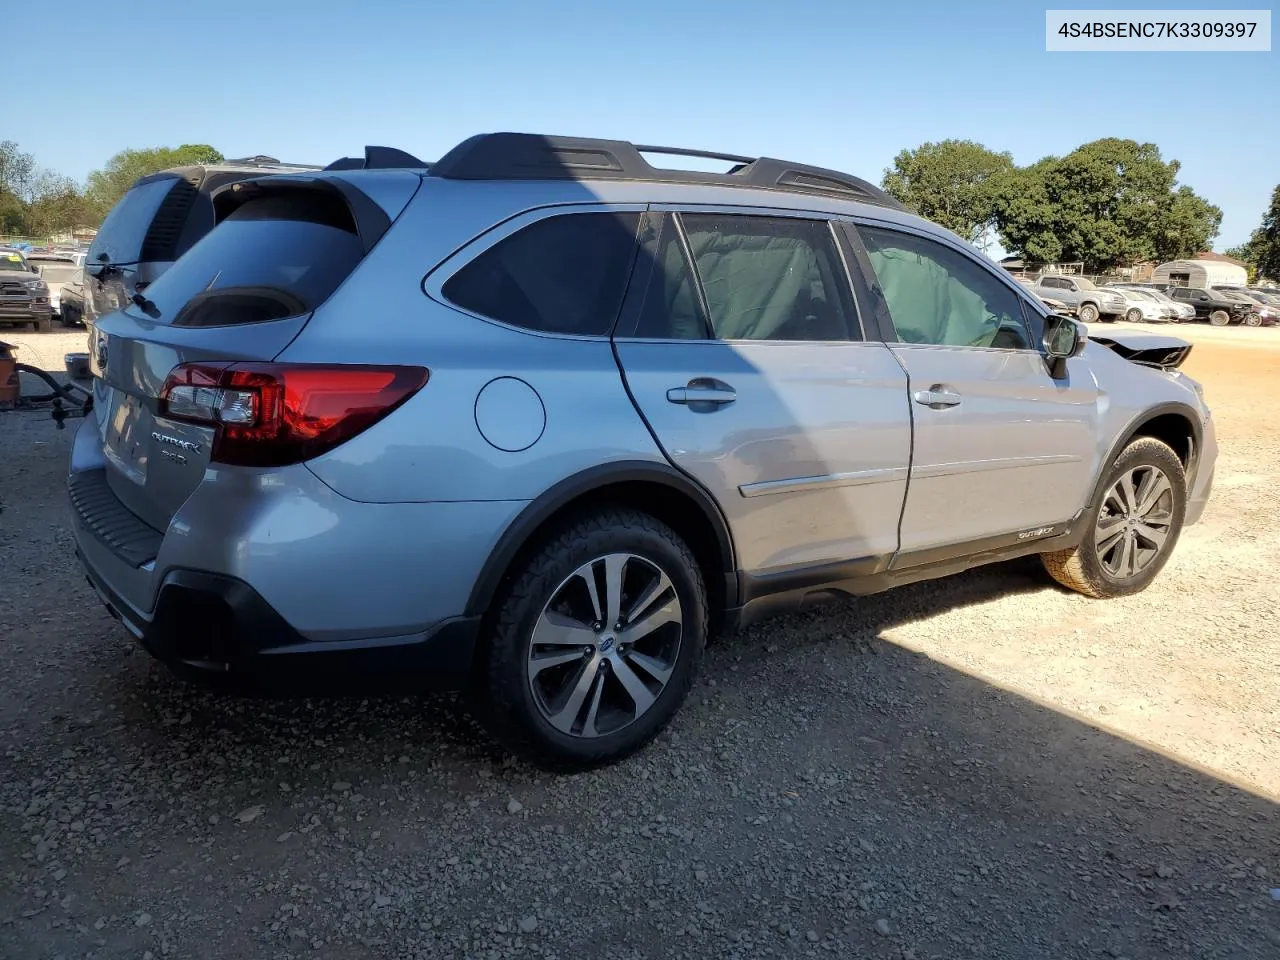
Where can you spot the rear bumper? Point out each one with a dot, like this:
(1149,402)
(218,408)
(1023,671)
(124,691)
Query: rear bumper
(207,626)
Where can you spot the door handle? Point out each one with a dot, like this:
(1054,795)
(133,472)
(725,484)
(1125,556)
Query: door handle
(937,397)
(703,390)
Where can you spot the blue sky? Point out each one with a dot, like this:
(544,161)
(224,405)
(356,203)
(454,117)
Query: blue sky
(832,82)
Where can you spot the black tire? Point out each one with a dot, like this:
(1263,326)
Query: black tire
(502,696)
(1088,313)
(1219,318)
(1253,320)
(1082,568)
(1133,315)
(44,325)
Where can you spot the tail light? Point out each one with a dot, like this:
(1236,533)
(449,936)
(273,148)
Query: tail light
(273,414)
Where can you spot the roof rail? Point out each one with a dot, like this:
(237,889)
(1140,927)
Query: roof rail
(378,158)
(262,160)
(529,156)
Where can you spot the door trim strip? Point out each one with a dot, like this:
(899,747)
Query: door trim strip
(826,481)
(929,471)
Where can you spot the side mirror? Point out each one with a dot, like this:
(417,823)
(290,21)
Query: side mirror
(1064,338)
(33,268)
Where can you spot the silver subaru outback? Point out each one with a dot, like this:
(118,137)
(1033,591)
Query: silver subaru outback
(537,420)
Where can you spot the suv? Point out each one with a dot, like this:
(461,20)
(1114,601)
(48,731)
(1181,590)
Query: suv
(1218,308)
(24,297)
(155,222)
(539,421)
(1087,300)
(56,270)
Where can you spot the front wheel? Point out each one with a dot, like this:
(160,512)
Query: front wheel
(1133,315)
(1253,320)
(1088,313)
(1219,318)
(1133,527)
(595,642)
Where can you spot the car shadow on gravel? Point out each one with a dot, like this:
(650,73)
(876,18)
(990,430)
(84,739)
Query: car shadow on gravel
(823,792)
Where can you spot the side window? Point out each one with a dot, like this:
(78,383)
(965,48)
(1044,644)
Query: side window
(1057,284)
(770,278)
(668,307)
(564,274)
(939,296)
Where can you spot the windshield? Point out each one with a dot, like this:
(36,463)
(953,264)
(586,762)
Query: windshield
(57,272)
(11,261)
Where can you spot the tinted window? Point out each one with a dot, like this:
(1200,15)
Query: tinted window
(272,258)
(1055,283)
(937,295)
(122,232)
(669,308)
(564,274)
(770,278)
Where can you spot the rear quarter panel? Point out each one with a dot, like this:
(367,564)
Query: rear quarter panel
(431,449)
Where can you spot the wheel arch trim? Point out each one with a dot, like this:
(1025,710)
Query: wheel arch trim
(577,486)
(1133,429)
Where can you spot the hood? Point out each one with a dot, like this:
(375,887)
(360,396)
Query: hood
(1148,349)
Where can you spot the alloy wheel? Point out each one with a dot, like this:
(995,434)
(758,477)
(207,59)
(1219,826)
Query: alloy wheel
(605,645)
(1135,522)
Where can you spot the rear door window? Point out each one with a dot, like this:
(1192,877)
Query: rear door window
(770,278)
(274,257)
(119,239)
(564,274)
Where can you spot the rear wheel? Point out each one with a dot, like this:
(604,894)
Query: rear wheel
(595,643)
(1088,313)
(1219,318)
(1133,527)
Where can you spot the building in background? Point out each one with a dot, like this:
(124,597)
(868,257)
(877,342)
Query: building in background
(1207,269)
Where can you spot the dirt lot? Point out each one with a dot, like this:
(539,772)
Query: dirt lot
(981,767)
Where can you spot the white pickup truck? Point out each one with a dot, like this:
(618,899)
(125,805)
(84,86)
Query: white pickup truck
(1087,300)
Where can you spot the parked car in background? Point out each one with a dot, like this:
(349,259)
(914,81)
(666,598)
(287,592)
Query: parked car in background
(71,306)
(1268,304)
(55,270)
(1218,308)
(1179,312)
(1255,317)
(1089,301)
(1060,307)
(1143,308)
(600,410)
(24,296)
(160,218)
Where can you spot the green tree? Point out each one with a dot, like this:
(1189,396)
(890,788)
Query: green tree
(108,185)
(1263,249)
(1107,203)
(59,207)
(951,183)
(17,171)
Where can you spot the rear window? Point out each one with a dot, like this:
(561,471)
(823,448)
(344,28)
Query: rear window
(56,272)
(565,274)
(122,232)
(272,258)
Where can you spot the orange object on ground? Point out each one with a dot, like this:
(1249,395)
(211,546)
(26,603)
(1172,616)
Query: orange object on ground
(8,375)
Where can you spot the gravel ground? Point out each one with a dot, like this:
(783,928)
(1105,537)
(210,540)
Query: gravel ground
(981,767)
